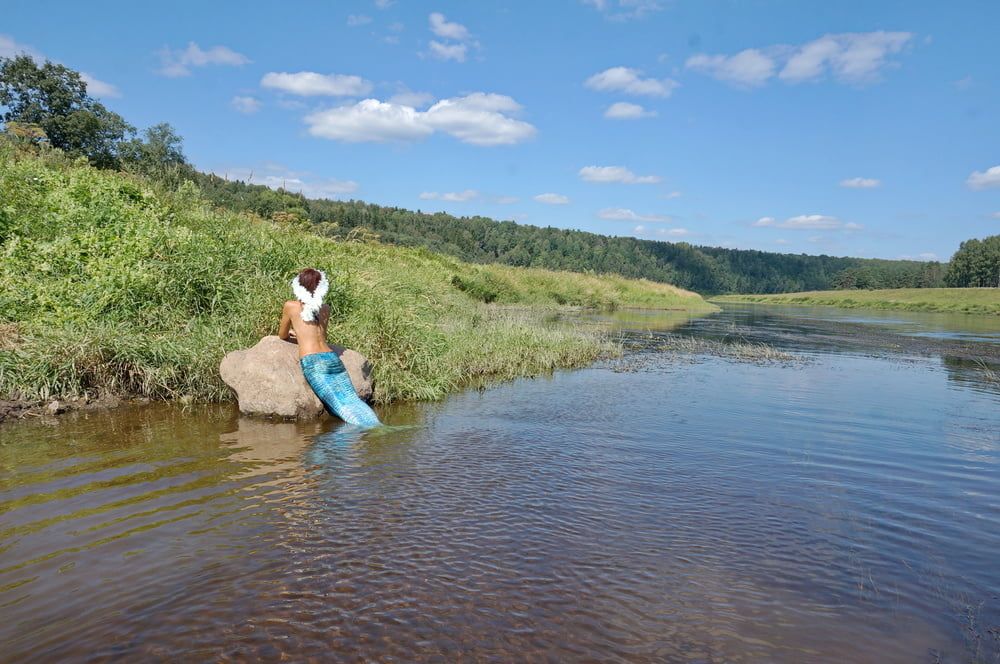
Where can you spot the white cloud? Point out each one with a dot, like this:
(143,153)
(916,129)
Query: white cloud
(747,68)
(354,20)
(9,48)
(622,10)
(926,256)
(179,63)
(808,222)
(451,196)
(99,88)
(478,118)
(781,241)
(441,27)
(619,174)
(623,110)
(672,194)
(277,176)
(506,200)
(369,120)
(384,4)
(407,97)
(625,79)
(552,199)
(454,52)
(245,105)
(851,57)
(987,179)
(860,183)
(625,214)
(311,84)
(639,230)
(673,232)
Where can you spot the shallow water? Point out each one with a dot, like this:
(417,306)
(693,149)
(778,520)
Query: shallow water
(842,508)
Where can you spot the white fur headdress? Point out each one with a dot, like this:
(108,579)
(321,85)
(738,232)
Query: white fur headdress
(311,302)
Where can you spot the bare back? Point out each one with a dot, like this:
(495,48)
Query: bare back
(311,337)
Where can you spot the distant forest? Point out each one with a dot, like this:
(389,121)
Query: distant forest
(708,270)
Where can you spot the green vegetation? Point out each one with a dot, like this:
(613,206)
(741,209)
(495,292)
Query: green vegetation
(112,283)
(954,300)
(976,264)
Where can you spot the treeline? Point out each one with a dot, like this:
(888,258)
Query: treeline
(48,106)
(976,264)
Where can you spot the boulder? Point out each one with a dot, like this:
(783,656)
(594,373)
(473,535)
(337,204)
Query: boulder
(268,380)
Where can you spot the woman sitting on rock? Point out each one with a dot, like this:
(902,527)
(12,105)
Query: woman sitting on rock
(305,319)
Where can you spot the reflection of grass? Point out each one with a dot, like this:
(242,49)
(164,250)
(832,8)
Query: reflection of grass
(986,371)
(949,300)
(649,347)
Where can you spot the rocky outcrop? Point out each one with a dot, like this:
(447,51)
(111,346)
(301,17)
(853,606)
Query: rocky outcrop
(268,380)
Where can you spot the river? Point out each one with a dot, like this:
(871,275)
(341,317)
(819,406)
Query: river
(843,505)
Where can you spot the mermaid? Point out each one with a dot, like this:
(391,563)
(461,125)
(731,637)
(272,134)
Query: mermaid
(305,320)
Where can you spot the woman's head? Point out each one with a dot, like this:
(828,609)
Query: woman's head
(310,278)
(310,287)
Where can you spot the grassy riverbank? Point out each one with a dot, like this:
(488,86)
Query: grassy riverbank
(110,286)
(948,300)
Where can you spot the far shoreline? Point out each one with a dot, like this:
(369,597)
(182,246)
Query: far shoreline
(976,301)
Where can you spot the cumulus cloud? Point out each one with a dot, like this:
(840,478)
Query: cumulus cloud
(807,222)
(988,179)
(630,81)
(245,105)
(853,57)
(552,199)
(623,110)
(456,52)
(623,10)
(445,29)
(479,119)
(175,63)
(618,174)
(451,196)
(625,214)
(9,47)
(277,176)
(408,97)
(311,84)
(860,183)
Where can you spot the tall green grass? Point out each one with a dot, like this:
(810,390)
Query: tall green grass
(110,284)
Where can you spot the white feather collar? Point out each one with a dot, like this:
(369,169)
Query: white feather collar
(311,302)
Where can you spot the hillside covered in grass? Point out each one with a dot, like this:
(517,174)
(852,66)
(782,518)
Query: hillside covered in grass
(949,300)
(114,284)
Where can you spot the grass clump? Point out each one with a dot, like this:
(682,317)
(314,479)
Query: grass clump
(944,300)
(109,284)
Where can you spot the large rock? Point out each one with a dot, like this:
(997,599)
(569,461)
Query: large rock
(268,380)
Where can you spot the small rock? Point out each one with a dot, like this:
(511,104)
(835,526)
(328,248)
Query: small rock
(187,399)
(55,408)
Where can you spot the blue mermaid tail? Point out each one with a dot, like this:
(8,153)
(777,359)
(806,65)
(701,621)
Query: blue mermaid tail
(328,378)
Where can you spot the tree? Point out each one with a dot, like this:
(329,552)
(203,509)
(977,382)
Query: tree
(55,98)
(159,155)
(975,264)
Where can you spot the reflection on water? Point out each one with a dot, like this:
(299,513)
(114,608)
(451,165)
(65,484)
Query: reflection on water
(844,509)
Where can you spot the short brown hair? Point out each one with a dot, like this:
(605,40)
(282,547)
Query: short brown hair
(309,278)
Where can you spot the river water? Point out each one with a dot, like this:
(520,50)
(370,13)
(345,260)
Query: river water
(840,506)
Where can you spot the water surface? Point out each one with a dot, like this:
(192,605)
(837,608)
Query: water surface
(841,508)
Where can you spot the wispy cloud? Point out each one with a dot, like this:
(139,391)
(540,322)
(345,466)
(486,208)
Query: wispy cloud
(444,51)
(807,222)
(175,63)
(630,81)
(311,84)
(616,174)
(355,20)
(552,199)
(246,105)
(625,214)
(451,196)
(860,183)
(455,35)
(446,29)
(623,110)
(852,57)
(624,10)
(277,176)
(479,118)
(988,179)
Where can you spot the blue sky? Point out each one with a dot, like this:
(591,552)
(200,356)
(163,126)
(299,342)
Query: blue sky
(847,128)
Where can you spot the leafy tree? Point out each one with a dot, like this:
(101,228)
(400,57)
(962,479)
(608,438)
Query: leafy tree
(159,155)
(55,98)
(976,264)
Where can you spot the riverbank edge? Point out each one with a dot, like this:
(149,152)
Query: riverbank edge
(928,300)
